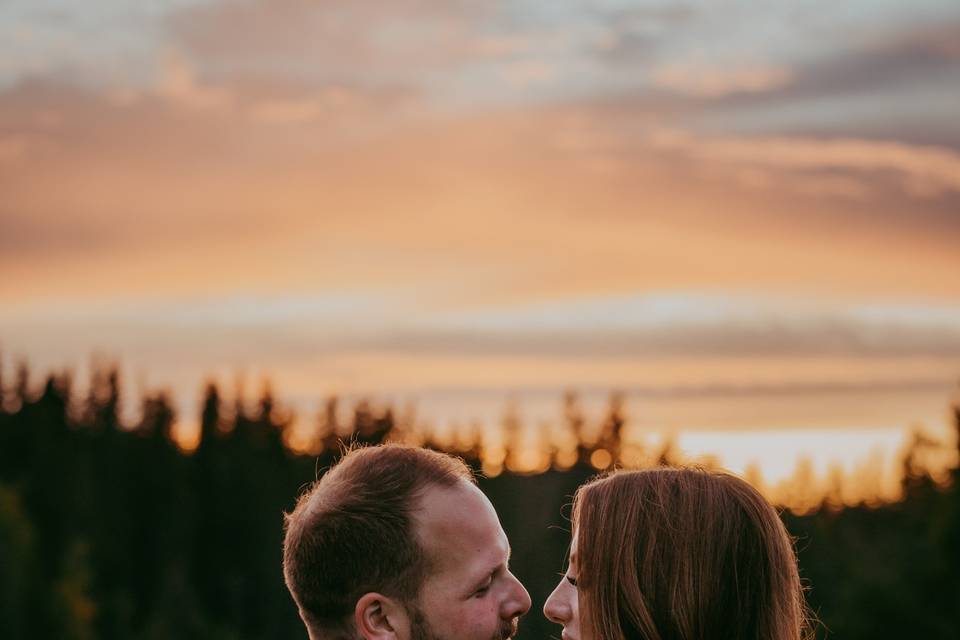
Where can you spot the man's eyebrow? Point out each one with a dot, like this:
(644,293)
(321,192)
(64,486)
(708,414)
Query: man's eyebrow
(480,580)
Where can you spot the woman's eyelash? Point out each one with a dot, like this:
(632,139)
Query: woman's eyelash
(571,580)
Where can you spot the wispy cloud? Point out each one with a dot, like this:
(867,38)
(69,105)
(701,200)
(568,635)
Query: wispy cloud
(924,170)
(170,188)
(707,81)
(179,83)
(328,42)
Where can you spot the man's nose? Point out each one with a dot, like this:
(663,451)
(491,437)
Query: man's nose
(518,602)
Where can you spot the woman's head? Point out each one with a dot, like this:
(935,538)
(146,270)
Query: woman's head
(677,554)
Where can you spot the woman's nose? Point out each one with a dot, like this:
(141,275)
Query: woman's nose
(557,608)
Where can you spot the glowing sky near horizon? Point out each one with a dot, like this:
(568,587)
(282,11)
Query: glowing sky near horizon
(458,203)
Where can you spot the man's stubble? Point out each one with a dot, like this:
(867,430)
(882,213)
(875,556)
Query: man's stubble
(420,628)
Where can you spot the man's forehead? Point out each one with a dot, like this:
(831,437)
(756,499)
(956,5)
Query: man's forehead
(459,525)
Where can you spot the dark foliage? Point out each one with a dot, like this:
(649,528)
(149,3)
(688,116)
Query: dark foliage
(111,531)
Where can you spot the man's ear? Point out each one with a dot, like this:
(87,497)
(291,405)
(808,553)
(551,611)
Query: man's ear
(381,618)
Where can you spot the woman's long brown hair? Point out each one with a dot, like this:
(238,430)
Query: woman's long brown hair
(684,554)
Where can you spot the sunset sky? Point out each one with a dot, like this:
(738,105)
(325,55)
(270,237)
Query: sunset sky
(745,215)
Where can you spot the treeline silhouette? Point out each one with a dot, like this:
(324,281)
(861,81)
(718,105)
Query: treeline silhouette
(111,530)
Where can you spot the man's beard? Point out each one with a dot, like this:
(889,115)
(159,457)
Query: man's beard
(420,627)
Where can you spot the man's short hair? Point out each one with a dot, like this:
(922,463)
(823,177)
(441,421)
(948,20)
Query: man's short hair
(352,532)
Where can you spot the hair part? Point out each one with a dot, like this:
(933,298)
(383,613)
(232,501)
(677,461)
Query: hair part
(353,532)
(684,554)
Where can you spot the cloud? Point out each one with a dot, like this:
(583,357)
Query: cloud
(679,325)
(111,43)
(772,340)
(178,83)
(688,323)
(925,171)
(453,157)
(506,45)
(327,42)
(635,34)
(336,103)
(295,111)
(350,164)
(895,84)
(515,204)
(13,147)
(529,72)
(898,55)
(715,81)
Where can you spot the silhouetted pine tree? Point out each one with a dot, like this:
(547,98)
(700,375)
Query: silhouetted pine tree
(109,530)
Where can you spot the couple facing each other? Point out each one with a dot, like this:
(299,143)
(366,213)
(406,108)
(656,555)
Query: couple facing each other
(398,543)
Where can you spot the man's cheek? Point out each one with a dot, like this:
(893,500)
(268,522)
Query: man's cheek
(480,621)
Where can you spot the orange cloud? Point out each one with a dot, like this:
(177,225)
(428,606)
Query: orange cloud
(715,81)
(507,205)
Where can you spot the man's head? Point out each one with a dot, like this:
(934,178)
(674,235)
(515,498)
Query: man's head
(398,543)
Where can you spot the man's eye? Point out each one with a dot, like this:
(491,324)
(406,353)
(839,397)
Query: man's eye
(484,587)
